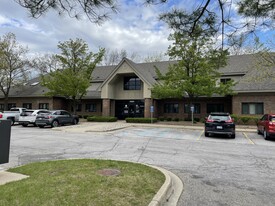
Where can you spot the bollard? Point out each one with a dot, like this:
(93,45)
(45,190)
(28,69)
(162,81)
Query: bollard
(5,133)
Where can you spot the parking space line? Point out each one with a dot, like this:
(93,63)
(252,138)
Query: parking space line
(249,140)
(200,135)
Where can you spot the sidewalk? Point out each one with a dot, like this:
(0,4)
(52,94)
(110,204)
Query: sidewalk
(112,126)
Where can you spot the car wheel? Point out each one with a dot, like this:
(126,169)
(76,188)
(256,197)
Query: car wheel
(41,126)
(258,131)
(24,125)
(266,135)
(75,121)
(55,123)
(206,134)
(12,121)
(233,136)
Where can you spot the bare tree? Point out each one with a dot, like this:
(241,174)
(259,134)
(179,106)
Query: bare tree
(113,57)
(14,66)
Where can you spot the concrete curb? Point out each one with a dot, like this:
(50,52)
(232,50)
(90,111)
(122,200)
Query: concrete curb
(6,177)
(170,191)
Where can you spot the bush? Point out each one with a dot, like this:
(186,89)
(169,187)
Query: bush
(169,119)
(196,119)
(86,116)
(176,119)
(140,120)
(245,119)
(161,118)
(101,119)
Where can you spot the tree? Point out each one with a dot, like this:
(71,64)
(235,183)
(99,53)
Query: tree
(95,11)
(220,18)
(196,71)
(157,57)
(14,66)
(113,57)
(73,78)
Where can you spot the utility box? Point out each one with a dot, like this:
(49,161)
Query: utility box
(5,136)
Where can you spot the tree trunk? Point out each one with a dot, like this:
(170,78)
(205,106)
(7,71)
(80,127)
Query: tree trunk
(6,100)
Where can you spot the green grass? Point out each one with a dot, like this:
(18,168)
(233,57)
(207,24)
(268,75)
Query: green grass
(77,182)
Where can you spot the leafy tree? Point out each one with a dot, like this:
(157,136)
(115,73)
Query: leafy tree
(73,78)
(14,66)
(196,71)
(95,11)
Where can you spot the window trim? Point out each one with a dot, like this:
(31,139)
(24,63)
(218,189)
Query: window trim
(128,84)
(256,109)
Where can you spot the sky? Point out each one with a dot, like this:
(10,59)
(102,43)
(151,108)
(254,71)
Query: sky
(135,28)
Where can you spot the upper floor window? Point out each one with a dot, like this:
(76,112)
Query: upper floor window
(132,83)
(252,108)
(225,80)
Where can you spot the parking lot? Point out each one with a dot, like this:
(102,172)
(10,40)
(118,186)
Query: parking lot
(215,170)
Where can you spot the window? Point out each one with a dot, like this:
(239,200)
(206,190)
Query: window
(197,108)
(215,108)
(252,108)
(27,105)
(43,105)
(132,83)
(78,108)
(171,108)
(225,80)
(90,108)
(11,105)
(1,107)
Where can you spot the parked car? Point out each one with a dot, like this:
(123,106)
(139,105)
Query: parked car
(266,125)
(12,115)
(219,123)
(56,118)
(29,116)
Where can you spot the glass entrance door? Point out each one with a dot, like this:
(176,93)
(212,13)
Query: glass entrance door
(129,108)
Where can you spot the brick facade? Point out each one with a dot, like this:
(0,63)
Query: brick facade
(267,99)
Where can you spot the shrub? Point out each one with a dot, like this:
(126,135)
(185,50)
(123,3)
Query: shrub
(169,118)
(86,116)
(245,119)
(196,119)
(101,119)
(161,118)
(140,120)
(176,119)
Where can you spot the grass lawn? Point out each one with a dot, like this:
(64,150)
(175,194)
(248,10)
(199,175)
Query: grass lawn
(82,182)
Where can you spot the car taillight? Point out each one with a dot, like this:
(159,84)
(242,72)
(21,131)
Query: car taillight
(229,121)
(209,120)
(271,123)
(1,115)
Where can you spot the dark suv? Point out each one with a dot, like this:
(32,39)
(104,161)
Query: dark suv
(219,123)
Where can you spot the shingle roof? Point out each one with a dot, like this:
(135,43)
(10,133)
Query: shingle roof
(237,65)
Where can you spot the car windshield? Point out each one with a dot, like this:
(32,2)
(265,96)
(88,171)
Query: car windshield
(218,117)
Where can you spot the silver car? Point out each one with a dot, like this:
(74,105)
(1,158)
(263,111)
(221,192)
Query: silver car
(56,118)
(29,116)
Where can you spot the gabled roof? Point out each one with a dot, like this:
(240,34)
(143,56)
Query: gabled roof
(241,65)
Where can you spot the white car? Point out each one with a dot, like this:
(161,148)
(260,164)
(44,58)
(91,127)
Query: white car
(29,116)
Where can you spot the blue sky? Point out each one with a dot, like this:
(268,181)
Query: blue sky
(135,28)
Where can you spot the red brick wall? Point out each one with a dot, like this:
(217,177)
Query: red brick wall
(267,98)
(35,101)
